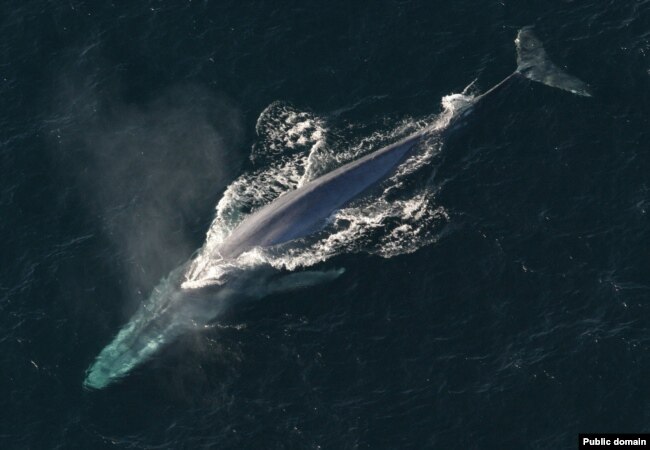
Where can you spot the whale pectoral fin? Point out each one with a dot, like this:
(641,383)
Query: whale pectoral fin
(534,64)
(302,280)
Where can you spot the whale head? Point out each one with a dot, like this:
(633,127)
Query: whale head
(169,312)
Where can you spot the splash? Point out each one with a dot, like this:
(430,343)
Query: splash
(295,147)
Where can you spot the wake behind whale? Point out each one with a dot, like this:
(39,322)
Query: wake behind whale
(309,203)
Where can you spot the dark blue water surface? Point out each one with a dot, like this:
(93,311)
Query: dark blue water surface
(525,323)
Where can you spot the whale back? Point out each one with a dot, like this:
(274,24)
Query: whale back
(304,211)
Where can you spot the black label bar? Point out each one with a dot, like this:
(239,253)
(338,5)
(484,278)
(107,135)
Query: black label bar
(606,441)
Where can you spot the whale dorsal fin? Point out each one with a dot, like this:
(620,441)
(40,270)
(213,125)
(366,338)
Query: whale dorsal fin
(534,64)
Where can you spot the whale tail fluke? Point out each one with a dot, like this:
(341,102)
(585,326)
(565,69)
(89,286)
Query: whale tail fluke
(534,64)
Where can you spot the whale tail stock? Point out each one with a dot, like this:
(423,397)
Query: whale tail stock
(534,64)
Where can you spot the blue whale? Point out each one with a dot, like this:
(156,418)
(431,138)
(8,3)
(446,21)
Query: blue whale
(171,310)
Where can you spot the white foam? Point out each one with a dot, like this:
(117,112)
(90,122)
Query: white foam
(294,148)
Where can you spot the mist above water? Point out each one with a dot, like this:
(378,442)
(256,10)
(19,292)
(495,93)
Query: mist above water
(147,172)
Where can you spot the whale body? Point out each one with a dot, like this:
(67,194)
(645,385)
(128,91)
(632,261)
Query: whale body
(303,211)
(172,310)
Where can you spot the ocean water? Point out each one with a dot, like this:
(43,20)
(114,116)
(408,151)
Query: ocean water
(493,295)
